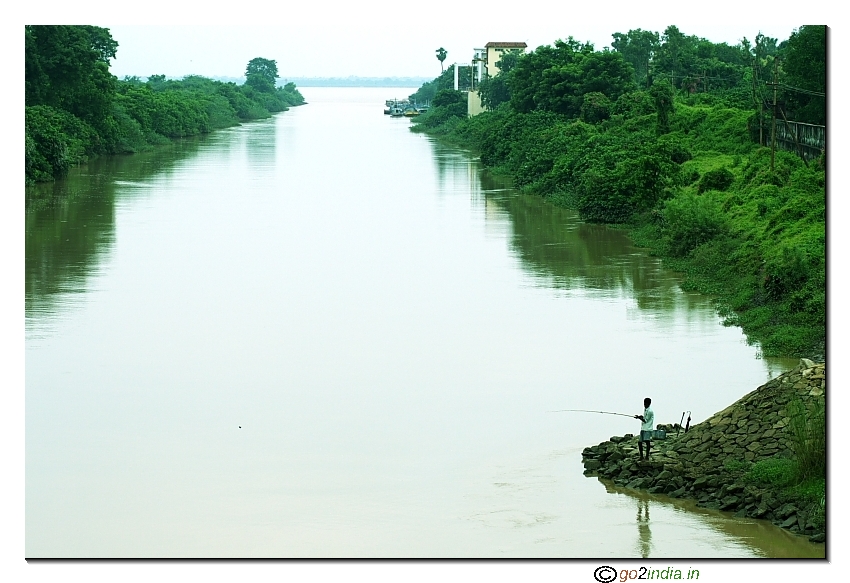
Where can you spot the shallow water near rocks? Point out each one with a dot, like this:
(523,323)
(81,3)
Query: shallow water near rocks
(321,335)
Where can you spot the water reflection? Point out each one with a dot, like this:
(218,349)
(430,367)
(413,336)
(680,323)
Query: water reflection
(70,224)
(765,539)
(560,252)
(556,248)
(259,374)
(456,171)
(644,533)
(261,143)
(563,253)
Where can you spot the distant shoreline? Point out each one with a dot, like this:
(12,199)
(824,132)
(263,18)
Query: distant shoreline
(334,81)
(356,81)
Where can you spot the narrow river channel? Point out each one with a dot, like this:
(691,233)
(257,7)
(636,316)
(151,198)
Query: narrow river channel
(322,335)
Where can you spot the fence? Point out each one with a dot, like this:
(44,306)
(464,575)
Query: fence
(807,140)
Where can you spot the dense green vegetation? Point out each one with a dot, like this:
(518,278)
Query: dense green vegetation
(661,134)
(76,109)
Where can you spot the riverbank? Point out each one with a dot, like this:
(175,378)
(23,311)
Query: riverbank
(684,168)
(750,459)
(703,198)
(77,110)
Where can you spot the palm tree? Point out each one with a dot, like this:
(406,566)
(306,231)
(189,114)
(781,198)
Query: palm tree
(441,56)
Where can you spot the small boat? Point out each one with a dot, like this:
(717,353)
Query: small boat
(397,107)
(410,112)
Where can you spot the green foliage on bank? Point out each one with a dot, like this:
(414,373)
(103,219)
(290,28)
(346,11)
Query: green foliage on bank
(76,109)
(426,93)
(674,159)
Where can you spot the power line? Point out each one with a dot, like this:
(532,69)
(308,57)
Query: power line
(806,91)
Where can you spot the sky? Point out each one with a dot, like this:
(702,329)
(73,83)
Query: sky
(313,46)
(377,38)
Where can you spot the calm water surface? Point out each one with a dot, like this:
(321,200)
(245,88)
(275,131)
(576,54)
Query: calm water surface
(323,335)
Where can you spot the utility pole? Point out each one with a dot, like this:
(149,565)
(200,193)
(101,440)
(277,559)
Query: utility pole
(793,135)
(773,127)
(757,97)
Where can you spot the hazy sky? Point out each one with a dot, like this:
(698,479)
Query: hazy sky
(373,39)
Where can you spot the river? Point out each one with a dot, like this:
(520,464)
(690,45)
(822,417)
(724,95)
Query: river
(322,335)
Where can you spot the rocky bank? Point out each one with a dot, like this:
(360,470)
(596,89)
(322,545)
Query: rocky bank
(710,462)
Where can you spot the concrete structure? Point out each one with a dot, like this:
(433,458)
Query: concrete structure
(473,103)
(479,61)
(484,63)
(495,52)
(457,67)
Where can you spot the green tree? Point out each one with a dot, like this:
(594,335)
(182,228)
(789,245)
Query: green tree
(595,108)
(675,50)
(509,60)
(662,95)
(698,65)
(557,78)
(805,70)
(637,47)
(441,56)
(67,67)
(494,90)
(430,88)
(261,74)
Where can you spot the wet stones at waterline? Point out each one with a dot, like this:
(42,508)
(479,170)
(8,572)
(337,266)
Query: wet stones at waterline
(710,461)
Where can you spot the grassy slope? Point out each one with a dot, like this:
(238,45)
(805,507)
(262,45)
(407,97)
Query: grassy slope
(764,265)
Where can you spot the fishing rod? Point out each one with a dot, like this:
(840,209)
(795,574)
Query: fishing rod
(682,421)
(588,411)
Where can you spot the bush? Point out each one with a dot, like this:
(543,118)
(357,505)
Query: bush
(717,179)
(37,168)
(690,221)
(446,97)
(595,107)
(690,176)
(808,437)
(129,134)
(56,140)
(737,465)
(777,472)
(786,270)
(680,154)
(601,198)
(813,493)
(634,104)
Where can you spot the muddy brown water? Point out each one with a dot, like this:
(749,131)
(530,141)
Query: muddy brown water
(321,335)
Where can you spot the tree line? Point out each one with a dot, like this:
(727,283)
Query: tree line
(76,109)
(661,133)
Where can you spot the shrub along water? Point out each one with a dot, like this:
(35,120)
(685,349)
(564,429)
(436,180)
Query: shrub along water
(679,169)
(803,477)
(76,109)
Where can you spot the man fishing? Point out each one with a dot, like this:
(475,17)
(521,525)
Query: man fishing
(648,419)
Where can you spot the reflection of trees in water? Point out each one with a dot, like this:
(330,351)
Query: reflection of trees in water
(454,169)
(562,252)
(70,223)
(559,250)
(261,143)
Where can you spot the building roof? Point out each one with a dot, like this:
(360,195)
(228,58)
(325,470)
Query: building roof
(509,45)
